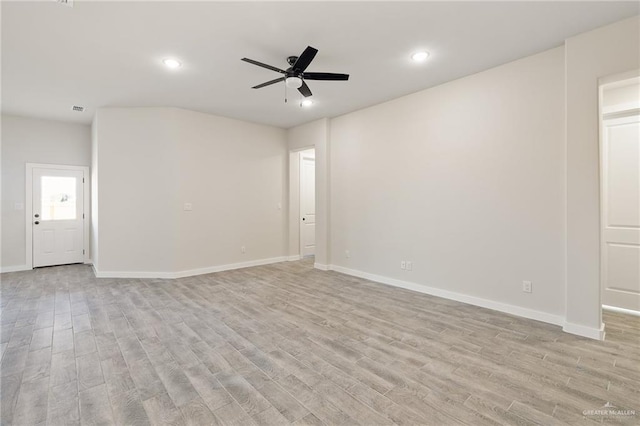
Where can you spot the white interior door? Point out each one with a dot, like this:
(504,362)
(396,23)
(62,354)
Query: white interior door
(307,204)
(58,216)
(621,213)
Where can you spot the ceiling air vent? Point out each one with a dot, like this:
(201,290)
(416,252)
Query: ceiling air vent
(77,108)
(66,2)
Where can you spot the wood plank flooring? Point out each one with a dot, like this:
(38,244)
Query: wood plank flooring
(287,344)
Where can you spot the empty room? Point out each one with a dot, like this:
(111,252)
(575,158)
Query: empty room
(320,213)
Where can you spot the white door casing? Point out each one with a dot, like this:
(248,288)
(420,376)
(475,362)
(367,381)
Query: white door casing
(620,241)
(307,205)
(56,215)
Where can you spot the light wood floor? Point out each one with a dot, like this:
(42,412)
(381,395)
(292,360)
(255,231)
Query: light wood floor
(285,344)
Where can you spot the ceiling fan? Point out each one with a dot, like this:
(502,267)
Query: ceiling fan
(295,76)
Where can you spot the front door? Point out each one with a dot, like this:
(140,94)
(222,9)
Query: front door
(307,204)
(621,213)
(58,215)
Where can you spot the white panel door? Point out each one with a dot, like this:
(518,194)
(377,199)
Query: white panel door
(621,213)
(307,205)
(58,216)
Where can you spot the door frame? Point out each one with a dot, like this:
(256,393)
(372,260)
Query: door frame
(300,158)
(28,208)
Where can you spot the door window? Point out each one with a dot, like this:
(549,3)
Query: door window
(58,198)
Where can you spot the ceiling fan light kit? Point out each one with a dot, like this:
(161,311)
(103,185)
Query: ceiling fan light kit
(293,82)
(295,76)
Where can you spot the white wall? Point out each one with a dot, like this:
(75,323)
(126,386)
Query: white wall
(30,140)
(94,193)
(311,135)
(612,49)
(234,173)
(466,180)
(153,160)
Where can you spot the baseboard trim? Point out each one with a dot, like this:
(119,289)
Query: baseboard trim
(584,331)
(322,266)
(229,267)
(132,274)
(17,268)
(459,297)
(294,258)
(621,310)
(187,273)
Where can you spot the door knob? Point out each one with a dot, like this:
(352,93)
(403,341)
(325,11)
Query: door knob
(37,222)
(37,215)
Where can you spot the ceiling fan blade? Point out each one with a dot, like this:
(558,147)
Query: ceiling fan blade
(305,59)
(268,83)
(325,76)
(260,64)
(304,89)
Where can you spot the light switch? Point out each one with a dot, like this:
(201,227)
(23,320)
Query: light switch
(188,207)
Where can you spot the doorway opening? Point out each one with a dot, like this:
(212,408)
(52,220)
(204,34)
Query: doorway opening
(307,218)
(56,215)
(620,197)
(302,204)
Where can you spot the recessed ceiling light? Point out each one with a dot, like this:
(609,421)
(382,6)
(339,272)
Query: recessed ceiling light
(420,56)
(306,103)
(172,63)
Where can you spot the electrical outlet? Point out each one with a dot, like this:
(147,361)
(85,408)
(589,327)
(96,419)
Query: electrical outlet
(188,207)
(409,265)
(526,286)
(243,249)
(403,264)
(347,254)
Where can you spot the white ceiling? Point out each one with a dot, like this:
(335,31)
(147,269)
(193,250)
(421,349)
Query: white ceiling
(100,54)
